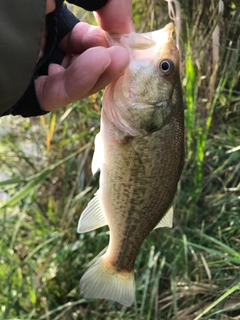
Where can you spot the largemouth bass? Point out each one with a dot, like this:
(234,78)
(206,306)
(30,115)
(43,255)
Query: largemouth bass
(139,151)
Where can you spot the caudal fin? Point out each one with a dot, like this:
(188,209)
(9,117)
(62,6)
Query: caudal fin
(100,282)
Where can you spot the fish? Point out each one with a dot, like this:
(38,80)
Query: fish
(140,153)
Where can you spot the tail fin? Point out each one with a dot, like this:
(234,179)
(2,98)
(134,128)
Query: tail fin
(100,282)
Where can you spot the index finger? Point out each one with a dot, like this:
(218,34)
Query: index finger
(116,17)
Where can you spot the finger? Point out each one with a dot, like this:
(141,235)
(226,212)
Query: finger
(83,37)
(119,61)
(116,17)
(74,83)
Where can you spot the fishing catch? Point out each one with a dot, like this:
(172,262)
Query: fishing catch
(139,151)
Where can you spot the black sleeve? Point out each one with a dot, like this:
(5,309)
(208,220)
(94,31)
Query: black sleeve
(65,22)
(90,5)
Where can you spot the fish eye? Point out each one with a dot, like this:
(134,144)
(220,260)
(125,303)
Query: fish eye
(166,67)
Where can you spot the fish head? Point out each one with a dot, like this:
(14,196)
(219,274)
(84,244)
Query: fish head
(143,98)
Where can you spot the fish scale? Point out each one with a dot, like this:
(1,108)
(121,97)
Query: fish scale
(140,151)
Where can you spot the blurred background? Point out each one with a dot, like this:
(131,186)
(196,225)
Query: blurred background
(189,272)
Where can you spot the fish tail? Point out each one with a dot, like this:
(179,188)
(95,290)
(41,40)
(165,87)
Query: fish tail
(102,282)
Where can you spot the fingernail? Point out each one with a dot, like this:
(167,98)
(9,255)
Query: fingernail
(106,64)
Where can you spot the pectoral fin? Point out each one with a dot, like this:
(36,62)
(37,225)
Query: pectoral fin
(167,220)
(93,216)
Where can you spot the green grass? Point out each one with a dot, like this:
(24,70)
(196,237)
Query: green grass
(189,272)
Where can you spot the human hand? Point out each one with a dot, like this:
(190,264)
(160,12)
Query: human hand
(90,65)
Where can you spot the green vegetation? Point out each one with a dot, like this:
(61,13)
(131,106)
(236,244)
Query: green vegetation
(191,271)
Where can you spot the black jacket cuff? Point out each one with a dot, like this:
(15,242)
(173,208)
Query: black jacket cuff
(90,5)
(66,21)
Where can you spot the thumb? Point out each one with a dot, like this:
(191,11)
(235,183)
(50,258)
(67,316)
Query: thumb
(54,68)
